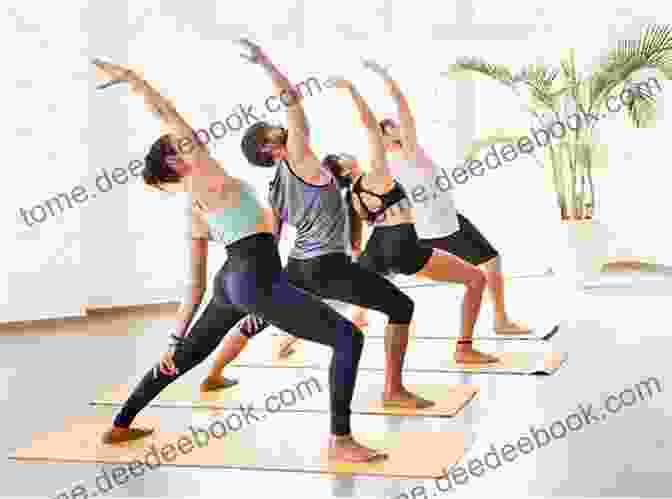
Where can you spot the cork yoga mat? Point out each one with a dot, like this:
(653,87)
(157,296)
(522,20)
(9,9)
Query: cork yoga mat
(299,395)
(423,355)
(299,447)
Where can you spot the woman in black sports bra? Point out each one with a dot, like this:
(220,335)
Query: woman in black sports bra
(394,247)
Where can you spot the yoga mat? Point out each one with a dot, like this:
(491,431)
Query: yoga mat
(423,355)
(481,334)
(376,330)
(298,447)
(308,395)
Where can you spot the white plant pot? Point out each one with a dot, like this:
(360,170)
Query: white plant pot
(580,252)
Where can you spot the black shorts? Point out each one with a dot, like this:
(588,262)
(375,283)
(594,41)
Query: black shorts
(467,243)
(395,249)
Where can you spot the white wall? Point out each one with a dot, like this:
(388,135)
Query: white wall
(45,115)
(128,246)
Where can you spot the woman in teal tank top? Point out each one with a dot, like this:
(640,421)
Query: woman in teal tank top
(251,281)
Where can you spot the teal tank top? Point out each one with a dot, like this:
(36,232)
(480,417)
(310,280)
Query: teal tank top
(228,225)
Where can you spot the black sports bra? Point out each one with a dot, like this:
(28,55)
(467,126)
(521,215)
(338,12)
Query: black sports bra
(390,198)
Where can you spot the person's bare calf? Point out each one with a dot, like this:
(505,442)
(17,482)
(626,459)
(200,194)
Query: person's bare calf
(503,325)
(395,394)
(232,347)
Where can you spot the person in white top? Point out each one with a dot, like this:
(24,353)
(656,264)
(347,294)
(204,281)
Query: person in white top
(437,222)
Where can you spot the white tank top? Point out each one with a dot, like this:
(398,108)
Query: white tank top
(428,188)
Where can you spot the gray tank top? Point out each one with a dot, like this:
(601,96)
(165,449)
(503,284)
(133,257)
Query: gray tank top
(318,213)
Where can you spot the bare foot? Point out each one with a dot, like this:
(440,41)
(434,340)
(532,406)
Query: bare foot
(405,400)
(474,357)
(512,328)
(347,449)
(117,435)
(211,384)
(285,349)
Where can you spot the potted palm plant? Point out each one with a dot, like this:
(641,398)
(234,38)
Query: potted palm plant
(562,95)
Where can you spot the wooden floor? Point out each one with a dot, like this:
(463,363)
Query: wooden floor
(615,338)
(105,321)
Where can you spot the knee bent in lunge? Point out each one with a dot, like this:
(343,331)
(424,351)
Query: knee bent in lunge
(477,279)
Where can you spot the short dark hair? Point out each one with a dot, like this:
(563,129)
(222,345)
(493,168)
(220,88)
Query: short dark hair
(251,145)
(157,169)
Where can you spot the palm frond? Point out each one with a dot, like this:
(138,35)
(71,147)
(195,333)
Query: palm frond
(539,78)
(653,50)
(641,109)
(572,160)
(568,71)
(497,72)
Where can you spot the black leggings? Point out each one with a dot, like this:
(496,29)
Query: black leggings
(252,282)
(205,335)
(336,277)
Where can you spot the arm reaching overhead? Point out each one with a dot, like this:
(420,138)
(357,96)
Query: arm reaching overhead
(409,138)
(377,159)
(186,143)
(297,124)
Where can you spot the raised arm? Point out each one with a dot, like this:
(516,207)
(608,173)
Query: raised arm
(187,145)
(409,137)
(378,162)
(297,125)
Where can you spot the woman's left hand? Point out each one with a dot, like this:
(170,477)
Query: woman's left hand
(113,71)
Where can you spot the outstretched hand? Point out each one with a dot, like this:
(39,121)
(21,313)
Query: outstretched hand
(115,73)
(375,67)
(252,52)
(338,82)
